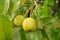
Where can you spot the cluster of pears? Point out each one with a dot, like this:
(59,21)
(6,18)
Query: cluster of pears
(28,24)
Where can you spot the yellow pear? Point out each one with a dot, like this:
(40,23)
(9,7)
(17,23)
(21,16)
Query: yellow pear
(18,20)
(29,24)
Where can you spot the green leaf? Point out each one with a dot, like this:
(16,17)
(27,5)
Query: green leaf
(23,34)
(54,33)
(44,34)
(43,11)
(16,6)
(6,25)
(13,3)
(6,7)
(2,2)
(34,35)
(46,11)
(38,35)
(14,10)
(52,3)
(2,36)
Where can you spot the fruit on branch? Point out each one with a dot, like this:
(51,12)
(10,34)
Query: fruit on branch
(18,20)
(29,24)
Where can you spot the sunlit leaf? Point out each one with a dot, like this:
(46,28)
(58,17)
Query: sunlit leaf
(14,10)
(34,35)
(6,27)
(2,2)
(2,36)
(6,7)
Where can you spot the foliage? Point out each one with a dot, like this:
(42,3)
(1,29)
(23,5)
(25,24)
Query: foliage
(45,12)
